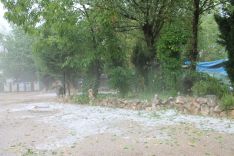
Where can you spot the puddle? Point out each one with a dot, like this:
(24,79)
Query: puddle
(37,107)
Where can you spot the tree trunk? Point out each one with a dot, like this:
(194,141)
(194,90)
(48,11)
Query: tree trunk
(150,55)
(150,41)
(68,83)
(195,25)
(64,83)
(96,74)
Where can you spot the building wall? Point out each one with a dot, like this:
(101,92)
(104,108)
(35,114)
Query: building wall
(11,86)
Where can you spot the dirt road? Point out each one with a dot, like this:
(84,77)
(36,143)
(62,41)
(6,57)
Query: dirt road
(33,124)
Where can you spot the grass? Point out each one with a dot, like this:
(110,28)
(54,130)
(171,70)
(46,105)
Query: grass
(29,152)
(150,95)
(144,96)
(105,96)
(84,99)
(227,102)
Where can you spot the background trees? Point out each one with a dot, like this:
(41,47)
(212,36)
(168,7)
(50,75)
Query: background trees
(208,46)
(17,61)
(139,44)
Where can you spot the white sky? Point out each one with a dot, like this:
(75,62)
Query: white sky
(4,25)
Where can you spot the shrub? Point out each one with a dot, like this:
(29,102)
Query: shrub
(189,78)
(209,86)
(174,81)
(120,79)
(81,99)
(227,102)
(164,80)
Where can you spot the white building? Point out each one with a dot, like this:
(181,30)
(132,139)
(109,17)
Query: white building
(13,86)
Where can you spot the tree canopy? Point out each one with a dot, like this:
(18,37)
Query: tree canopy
(128,40)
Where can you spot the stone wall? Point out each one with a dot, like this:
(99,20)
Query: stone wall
(207,106)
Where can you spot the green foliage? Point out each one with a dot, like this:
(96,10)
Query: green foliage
(68,36)
(148,17)
(227,102)
(102,96)
(189,78)
(139,57)
(200,7)
(164,81)
(87,40)
(120,79)
(81,99)
(148,95)
(116,63)
(170,48)
(29,152)
(208,35)
(17,61)
(209,86)
(174,81)
(171,45)
(226,22)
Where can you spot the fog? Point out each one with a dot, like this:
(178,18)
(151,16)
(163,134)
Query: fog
(116,77)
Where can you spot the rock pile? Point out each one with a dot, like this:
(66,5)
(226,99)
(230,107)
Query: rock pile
(207,106)
(198,106)
(122,103)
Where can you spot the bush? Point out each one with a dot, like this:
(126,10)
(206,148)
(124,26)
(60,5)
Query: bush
(189,78)
(227,102)
(81,99)
(210,86)
(120,79)
(164,80)
(174,81)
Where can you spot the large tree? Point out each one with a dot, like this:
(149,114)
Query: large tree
(54,25)
(145,20)
(148,16)
(225,21)
(74,32)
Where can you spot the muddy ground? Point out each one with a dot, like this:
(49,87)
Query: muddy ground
(35,124)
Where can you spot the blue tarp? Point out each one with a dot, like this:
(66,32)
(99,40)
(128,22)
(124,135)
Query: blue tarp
(214,68)
(210,67)
(211,63)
